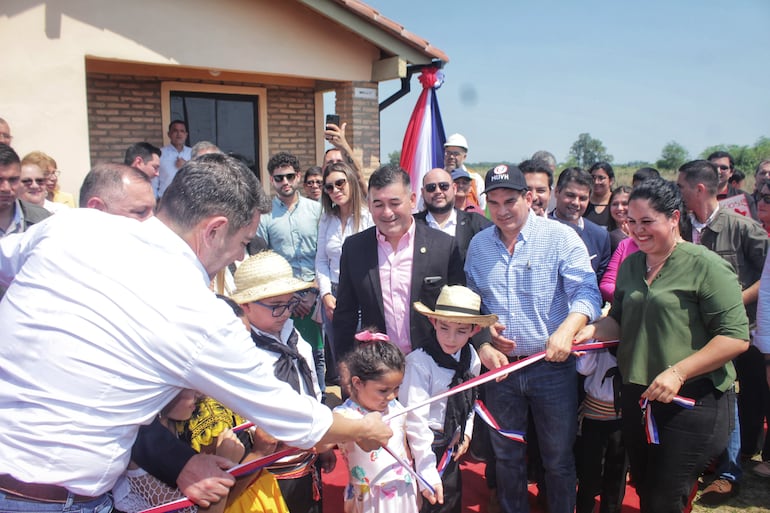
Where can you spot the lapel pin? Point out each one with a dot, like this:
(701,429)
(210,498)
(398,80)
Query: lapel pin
(423,250)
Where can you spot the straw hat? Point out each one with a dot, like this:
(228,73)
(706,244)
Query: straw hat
(457,304)
(266,274)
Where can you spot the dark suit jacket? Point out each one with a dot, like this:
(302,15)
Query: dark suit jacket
(435,256)
(468,225)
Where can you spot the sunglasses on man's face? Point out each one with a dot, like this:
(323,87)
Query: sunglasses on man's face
(288,177)
(314,183)
(338,184)
(431,187)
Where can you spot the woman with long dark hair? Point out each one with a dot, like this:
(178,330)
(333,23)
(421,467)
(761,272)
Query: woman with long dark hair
(344,214)
(680,318)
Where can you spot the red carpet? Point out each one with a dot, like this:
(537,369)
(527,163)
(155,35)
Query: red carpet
(475,491)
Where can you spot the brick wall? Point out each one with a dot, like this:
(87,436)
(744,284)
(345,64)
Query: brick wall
(125,109)
(122,110)
(291,123)
(363,132)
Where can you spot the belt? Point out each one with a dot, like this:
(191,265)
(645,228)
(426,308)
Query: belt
(38,492)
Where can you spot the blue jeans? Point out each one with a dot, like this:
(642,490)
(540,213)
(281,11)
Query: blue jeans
(9,504)
(550,390)
(729,462)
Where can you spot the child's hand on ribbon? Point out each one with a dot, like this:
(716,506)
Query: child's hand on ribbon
(439,495)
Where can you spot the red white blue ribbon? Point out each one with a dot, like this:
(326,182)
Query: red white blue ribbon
(408,467)
(445,459)
(494,374)
(650,426)
(482,412)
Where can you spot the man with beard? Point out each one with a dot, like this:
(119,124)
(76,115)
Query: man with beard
(539,178)
(291,230)
(438,193)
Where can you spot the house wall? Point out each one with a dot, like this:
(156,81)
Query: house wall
(46,89)
(125,109)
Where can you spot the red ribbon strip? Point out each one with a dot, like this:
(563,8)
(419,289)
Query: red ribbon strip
(496,373)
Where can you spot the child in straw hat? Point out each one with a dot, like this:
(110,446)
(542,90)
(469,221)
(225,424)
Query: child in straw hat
(444,361)
(265,289)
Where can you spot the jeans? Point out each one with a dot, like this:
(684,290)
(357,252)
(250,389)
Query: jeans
(665,473)
(9,504)
(729,463)
(549,391)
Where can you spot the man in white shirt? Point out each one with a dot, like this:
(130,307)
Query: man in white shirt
(96,341)
(173,156)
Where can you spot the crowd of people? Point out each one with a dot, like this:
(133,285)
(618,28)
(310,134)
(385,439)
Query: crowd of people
(130,381)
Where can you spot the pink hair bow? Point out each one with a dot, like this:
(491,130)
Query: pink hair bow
(368,336)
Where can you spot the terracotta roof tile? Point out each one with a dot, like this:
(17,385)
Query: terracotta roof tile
(372,15)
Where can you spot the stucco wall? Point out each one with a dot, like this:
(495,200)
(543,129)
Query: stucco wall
(44,79)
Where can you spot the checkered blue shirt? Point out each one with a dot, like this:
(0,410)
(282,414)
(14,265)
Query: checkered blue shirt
(532,291)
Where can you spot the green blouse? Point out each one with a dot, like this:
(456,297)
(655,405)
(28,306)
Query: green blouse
(694,297)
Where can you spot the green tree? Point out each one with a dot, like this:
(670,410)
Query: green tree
(587,151)
(746,158)
(394,157)
(672,156)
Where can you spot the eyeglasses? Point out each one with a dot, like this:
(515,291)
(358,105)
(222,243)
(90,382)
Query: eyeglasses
(279,310)
(28,181)
(53,174)
(314,183)
(288,176)
(5,137)
(765,198)
(454,153)
(431,187)
(338,184)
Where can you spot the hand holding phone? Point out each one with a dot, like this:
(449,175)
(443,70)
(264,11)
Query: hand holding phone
(332,119)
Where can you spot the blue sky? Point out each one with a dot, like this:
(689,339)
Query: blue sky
(531,75)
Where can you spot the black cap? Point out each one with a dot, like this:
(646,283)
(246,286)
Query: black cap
(504,176)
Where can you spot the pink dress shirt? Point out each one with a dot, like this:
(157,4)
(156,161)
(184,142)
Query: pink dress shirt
(396,283)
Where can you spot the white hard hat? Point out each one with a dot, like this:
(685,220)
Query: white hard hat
(456,140)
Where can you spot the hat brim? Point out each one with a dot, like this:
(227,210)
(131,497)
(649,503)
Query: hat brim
(271,289)
(503,186)
(481,320)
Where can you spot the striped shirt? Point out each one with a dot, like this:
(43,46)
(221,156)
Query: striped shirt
(532,291)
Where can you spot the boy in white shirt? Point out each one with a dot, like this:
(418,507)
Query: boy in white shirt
(442,362)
